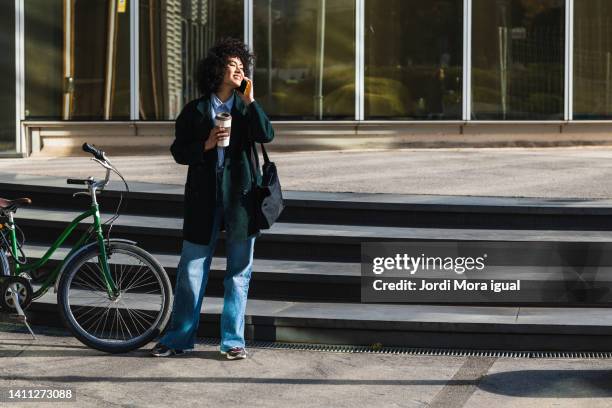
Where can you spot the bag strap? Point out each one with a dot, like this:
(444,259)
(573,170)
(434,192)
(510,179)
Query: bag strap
(256,154)
(253,152)
(265,154)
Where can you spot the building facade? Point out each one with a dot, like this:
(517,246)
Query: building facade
(357,70)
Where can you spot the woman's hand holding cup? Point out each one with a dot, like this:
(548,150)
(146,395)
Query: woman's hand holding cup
(216,135)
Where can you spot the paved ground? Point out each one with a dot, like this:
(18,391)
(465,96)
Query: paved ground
(275,378)
(570,172)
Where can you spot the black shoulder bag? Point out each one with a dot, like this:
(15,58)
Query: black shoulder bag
(268,195)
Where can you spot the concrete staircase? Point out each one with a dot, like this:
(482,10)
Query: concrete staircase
(306,280)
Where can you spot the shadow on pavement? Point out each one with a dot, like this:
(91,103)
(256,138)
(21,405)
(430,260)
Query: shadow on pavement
(533,384)
(230,380)
(36,343)
(550,383)
(82,351)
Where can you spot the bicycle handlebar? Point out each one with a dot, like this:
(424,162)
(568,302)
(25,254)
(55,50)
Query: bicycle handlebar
(98,154)
(77,181)
(100,157)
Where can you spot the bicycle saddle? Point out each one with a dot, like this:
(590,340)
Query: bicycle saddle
(12,205)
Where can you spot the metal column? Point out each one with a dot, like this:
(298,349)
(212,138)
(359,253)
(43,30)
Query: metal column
(359,59)
(568,111)
(134,61)
(467,61)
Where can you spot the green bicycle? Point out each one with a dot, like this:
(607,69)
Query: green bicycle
(112,295)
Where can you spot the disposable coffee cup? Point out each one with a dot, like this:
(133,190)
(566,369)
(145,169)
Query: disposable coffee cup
(224,120)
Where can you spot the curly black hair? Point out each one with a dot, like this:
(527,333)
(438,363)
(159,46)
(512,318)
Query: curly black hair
(212,67)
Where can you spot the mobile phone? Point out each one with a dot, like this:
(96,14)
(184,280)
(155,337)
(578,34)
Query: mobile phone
(243,85)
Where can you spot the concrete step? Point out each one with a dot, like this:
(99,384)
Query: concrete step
(271,279)
(392,210)
(341,282)
(289,241)
(465,327)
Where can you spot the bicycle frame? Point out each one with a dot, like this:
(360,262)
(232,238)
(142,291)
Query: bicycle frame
(102,258)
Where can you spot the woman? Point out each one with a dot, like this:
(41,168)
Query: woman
(219,195)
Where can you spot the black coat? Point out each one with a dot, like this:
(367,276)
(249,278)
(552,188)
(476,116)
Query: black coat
(193,125)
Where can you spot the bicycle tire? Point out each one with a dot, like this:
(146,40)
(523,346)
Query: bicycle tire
(90,286)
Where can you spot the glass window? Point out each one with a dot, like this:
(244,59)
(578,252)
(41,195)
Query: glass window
(518,59)
(592,59)
(413,59)
(44,36)
(77,56)
(7,81)
(174,36)
(305,67)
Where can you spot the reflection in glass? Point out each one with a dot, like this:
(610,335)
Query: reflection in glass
(77,56)
(174,36)
(592,59)
(7,82)
(305,67)
(517,59)
(413,59)
(44,36)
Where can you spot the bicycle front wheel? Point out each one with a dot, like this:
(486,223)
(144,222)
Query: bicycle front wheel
(127,322)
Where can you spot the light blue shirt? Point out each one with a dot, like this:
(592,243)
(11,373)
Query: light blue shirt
(216,107)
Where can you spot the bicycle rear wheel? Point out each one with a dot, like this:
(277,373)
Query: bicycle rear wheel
(128,322)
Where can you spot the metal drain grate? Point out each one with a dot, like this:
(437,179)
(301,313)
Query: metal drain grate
(376,349)
(372,349)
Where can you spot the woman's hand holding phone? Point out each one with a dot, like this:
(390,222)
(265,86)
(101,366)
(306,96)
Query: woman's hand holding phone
(245,91)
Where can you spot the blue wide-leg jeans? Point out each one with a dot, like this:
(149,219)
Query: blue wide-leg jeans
(192,276)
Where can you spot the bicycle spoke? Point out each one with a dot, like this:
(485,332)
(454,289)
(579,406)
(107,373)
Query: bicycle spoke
(127,328)
(123,276)
(117,320)
(112,321)
(150,302)
(88,294)
(92,295)
(103,322)
(141,313)
(116,275)
(133,301)
(89,315)
(89,319)
(96,274)
(139,323)
(135,320)
(94,304)
(89,284)
(142,285)
(106,314)
(149,292)
(134,276)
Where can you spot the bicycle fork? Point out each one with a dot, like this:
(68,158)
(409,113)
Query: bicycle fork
(111,288)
